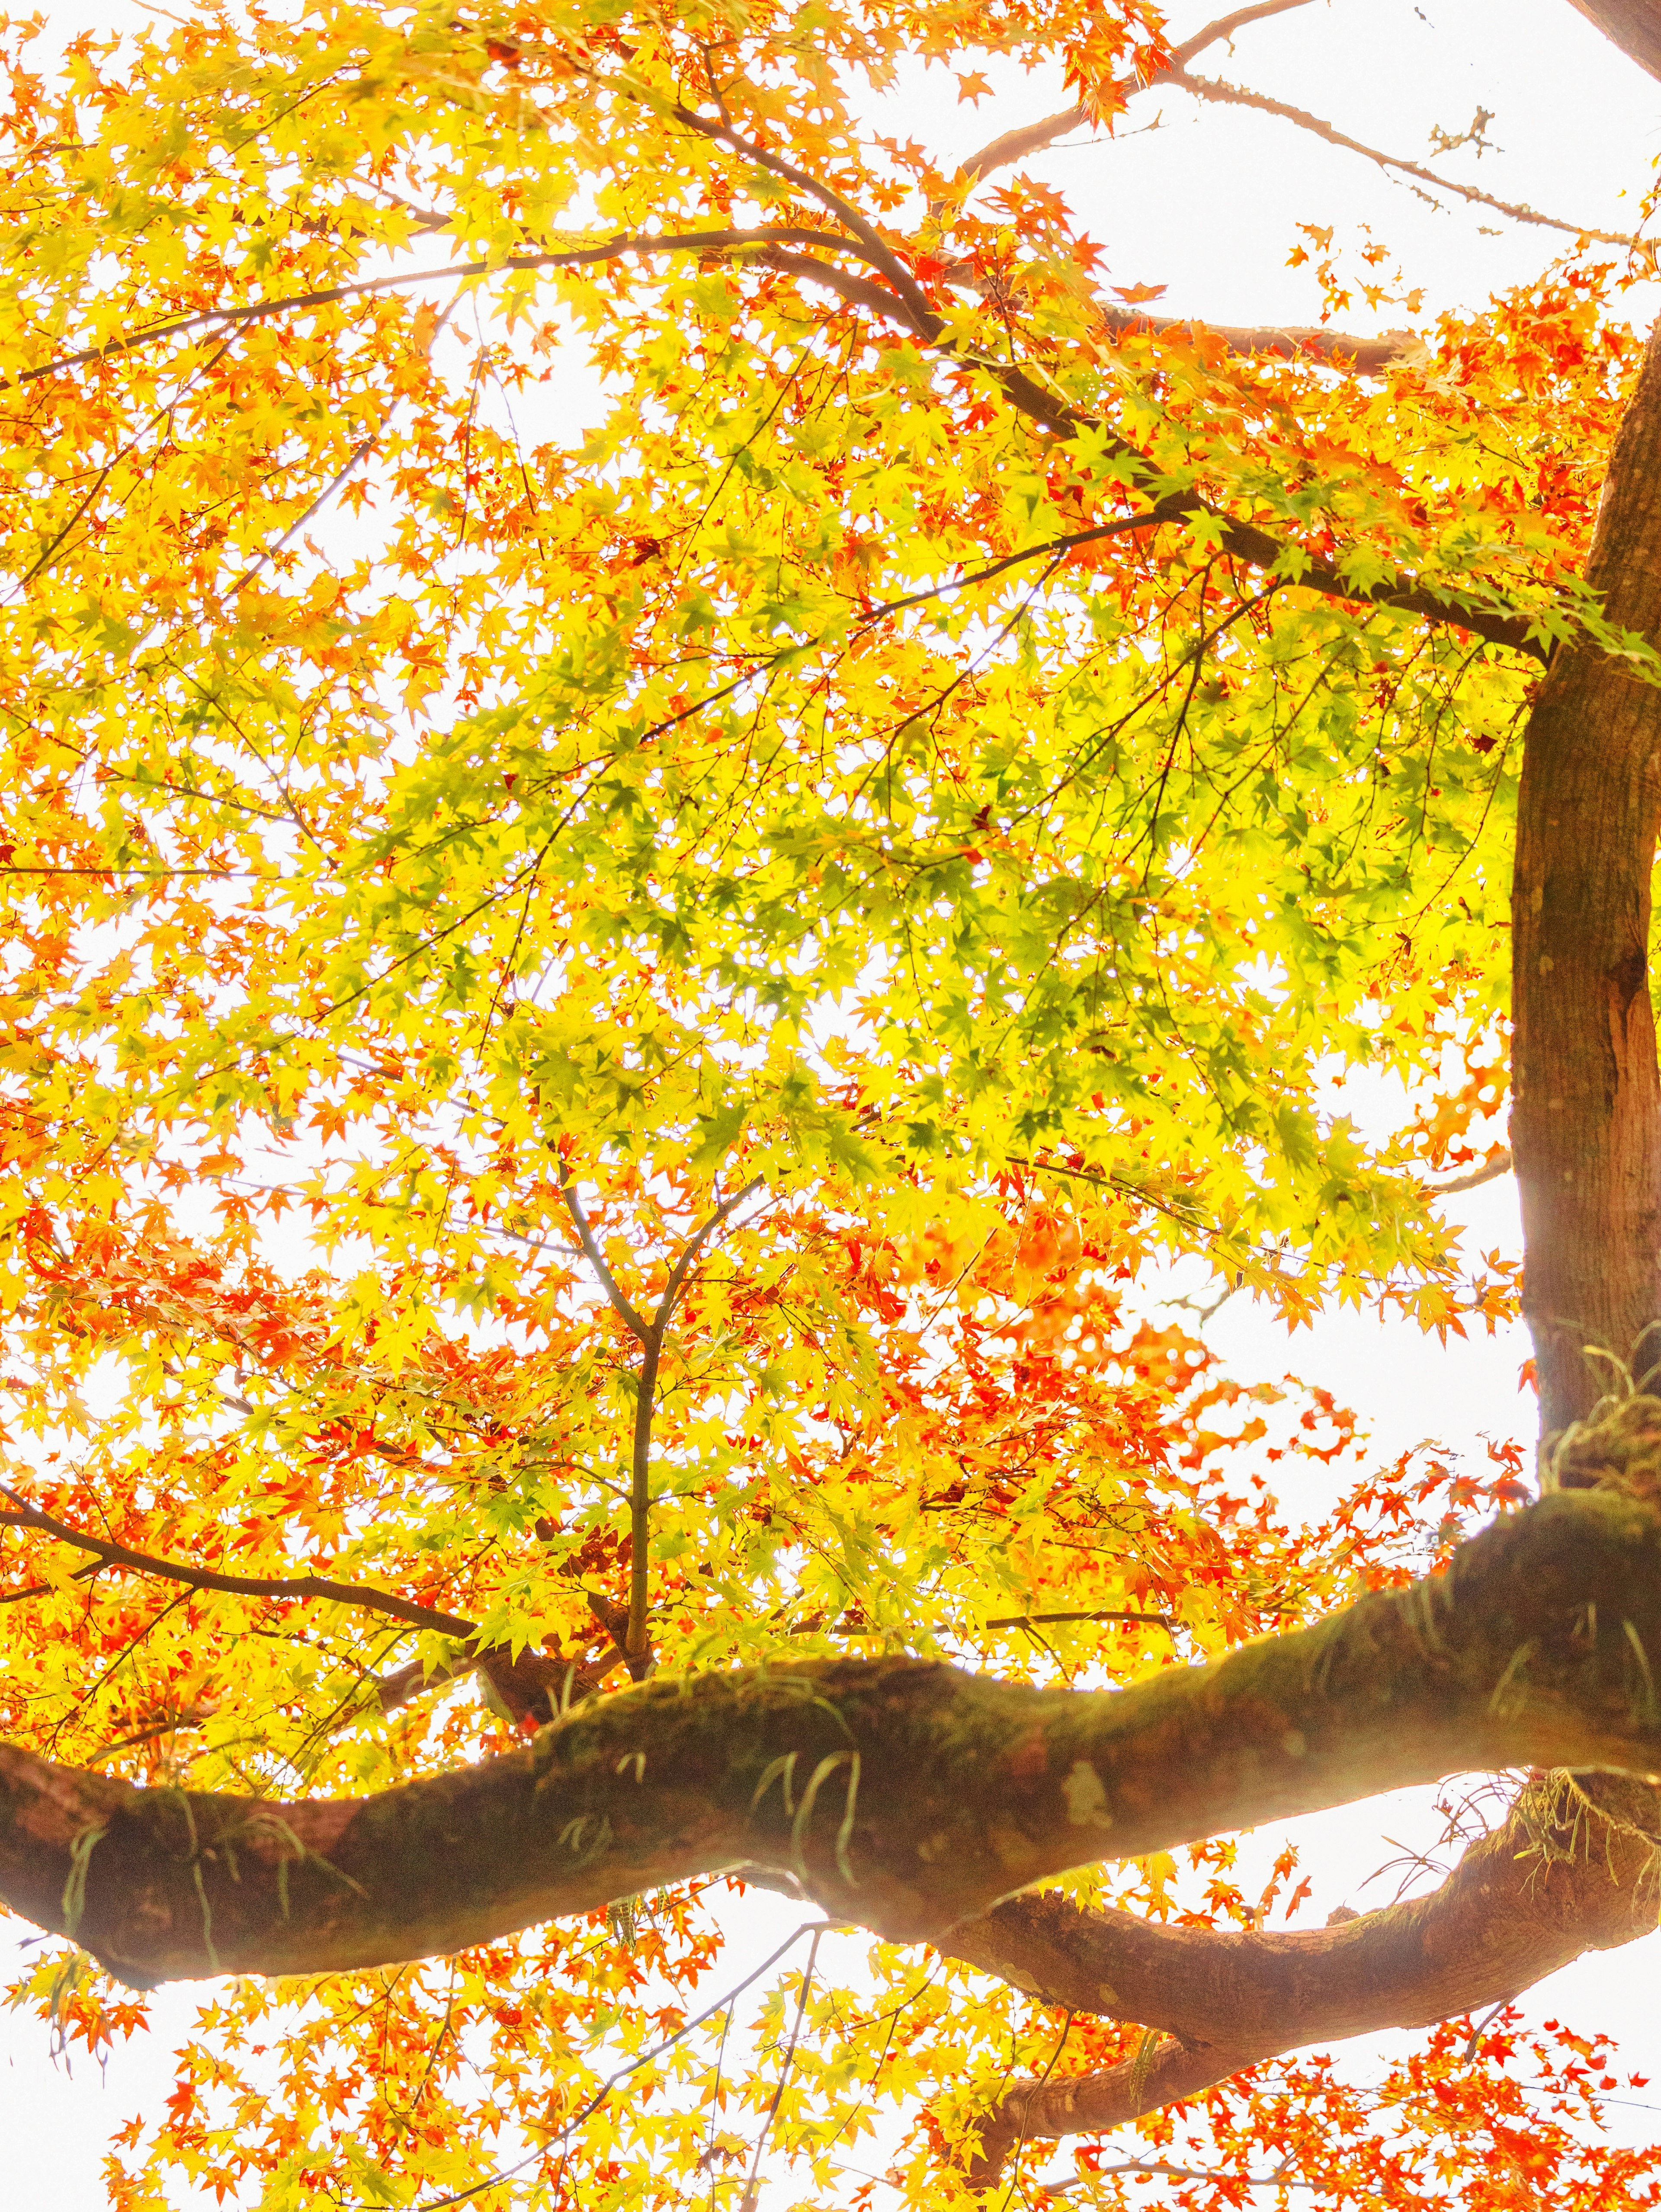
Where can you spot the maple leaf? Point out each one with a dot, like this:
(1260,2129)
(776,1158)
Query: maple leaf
(691,861)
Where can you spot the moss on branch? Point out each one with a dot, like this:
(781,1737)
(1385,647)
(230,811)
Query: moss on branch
(904,1794)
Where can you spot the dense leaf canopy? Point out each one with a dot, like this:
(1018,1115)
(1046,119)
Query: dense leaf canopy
(680,825)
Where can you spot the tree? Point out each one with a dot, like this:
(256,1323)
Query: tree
(609,1037)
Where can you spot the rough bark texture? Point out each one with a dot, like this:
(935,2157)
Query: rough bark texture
(1476,1939)
(1576,1867)
(1586,1104)
(1634,25)
(904,1794)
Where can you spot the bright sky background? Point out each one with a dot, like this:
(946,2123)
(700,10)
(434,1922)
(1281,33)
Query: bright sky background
(1209,204)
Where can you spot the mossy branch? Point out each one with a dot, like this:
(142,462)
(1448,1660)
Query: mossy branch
(969,1788)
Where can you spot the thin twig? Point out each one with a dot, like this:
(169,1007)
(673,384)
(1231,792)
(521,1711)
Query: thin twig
(1060,2045)
(650,1336)
(26,1516)
(1500,1165)
(1161,2169)
(1036,136)
(699,1238)
(748,2198)
(1035,1619)
(645,2058)
(1236,95)
(329,296)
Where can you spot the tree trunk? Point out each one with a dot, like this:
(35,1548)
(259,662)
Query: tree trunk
(1586,1101)
(1634,25)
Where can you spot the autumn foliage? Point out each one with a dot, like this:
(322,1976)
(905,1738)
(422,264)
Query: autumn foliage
(592,650)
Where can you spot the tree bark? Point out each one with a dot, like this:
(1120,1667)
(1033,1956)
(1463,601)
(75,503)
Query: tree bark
(905,1796)
(1634,25)
(1576,1867)
(1586,1102)
(913,1799)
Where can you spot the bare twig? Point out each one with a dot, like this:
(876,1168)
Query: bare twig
(1499,1165)
(1236,95)
(1014,144)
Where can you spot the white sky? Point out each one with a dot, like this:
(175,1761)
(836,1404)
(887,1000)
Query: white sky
(1208,205)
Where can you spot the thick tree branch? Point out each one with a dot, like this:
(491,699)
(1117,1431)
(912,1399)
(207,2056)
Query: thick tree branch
(529,1685)
(1365,357)
(1225,27)
(1575,1866)
(1244,541)
(1041,1619)
(855,291)
(1016,145)
(574,257)
(902,1793)
(635,1648)
(44,1590)
(881,255)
